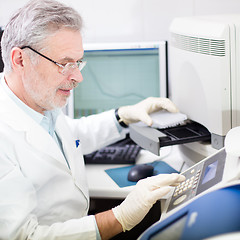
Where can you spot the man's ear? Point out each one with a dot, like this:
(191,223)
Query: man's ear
(17,59)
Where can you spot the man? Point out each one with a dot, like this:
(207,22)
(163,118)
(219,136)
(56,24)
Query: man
(43,186)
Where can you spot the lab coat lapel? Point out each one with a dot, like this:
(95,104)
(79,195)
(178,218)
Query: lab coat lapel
(46,144)
(36,136)
(73,153)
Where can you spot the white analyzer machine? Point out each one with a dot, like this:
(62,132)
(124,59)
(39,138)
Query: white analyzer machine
(204,83)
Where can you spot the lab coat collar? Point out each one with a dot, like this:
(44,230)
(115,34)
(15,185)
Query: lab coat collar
(36,136)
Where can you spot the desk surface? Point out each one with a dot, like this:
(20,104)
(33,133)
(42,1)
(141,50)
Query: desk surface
(102,186)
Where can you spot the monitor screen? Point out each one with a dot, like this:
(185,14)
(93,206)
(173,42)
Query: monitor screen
(118,75)
(210,172)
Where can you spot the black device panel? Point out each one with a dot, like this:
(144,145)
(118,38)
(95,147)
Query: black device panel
(199,178)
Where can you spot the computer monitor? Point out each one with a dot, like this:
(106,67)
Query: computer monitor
(119,74)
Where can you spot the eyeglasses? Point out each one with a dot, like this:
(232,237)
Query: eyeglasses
(67,68)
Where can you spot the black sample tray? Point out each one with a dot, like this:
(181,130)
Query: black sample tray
(190,132)
(152,139)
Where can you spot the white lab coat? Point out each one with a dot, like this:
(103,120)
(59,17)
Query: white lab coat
(40,197)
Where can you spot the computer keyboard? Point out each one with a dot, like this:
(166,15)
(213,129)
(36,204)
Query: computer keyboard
(122,152)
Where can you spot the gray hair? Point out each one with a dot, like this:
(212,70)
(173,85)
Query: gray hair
(33,23)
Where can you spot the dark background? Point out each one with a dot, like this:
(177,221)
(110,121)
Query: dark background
(1,62)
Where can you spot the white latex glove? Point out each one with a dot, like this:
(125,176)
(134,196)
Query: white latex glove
(140,111)
(146,192)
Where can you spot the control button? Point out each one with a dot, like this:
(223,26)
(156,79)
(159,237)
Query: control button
(179,200)
(192,171)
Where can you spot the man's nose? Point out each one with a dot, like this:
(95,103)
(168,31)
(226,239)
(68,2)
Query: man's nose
(76,75)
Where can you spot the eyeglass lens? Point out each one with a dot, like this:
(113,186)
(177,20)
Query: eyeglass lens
(71,66)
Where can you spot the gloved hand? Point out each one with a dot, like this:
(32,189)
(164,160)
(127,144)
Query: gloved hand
(141,110)
(146,192)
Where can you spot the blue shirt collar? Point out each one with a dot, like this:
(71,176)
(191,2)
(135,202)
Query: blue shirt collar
(47,121)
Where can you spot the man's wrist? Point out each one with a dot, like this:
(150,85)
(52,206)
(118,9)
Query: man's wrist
(119,120)
(107,224)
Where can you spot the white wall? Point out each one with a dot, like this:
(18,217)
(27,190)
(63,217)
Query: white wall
(131,20)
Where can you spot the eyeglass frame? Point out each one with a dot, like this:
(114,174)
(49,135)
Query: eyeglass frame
(80,64)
